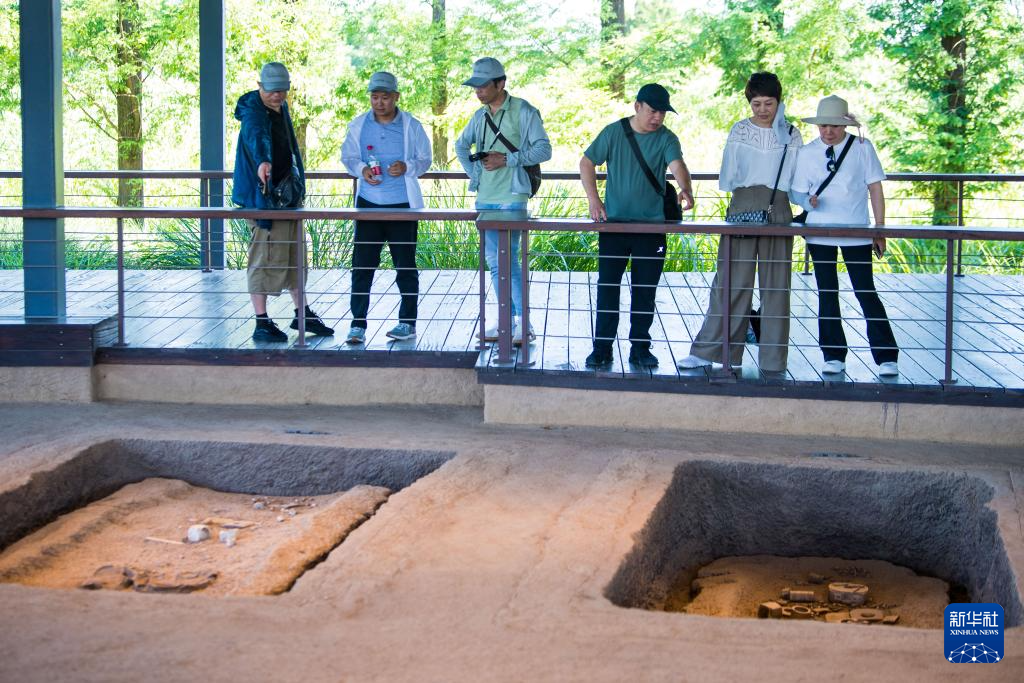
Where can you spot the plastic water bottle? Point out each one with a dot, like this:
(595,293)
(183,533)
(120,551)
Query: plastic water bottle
(372,162)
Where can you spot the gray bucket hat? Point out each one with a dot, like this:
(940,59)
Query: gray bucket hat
(274,77)
(484,70)
(832,111)
(382,81)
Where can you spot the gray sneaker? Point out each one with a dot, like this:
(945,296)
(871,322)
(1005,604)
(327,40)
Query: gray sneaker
(402,331)
(356,335)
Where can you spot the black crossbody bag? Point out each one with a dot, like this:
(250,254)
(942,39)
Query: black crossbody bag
(532,171)
(802,218)
(673,210)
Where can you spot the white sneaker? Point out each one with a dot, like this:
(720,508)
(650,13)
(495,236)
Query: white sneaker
(691,362)
(888,369)
(517,334)
(491,334)
(833,367)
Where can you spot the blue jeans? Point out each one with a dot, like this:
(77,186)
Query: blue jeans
(491,254)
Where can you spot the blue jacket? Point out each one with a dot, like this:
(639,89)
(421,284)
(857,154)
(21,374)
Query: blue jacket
(254,147)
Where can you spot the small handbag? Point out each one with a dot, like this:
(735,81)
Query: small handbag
(670,198)
(761,216)
(289,193)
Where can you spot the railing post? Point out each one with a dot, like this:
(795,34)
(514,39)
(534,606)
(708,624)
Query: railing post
(726,294)
(504,296)
(948,379)
(300,258)
(483,294)
(960,223)
(524,326)
(807,260)
(120,283)
(205,237)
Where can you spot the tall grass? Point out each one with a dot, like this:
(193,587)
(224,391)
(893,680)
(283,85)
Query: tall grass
(167,244)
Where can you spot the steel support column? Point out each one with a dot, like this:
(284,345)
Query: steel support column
(42,159)
(211,122)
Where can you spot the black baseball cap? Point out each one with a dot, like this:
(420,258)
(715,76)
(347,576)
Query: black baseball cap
(655,96)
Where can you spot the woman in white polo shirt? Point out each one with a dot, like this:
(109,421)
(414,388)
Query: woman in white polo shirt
(858,177)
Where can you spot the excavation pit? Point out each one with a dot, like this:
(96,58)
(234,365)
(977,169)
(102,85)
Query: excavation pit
(936,524)
(181,517)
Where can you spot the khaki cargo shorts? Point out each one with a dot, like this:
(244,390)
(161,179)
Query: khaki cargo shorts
(272,255)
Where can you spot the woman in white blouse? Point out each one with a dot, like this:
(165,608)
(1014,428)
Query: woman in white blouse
(750,164)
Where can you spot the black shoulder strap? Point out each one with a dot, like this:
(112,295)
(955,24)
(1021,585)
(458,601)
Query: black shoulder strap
(497,133)
(839,162)
(628,130)
(785,148)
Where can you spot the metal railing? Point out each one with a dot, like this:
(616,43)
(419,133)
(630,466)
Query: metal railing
(558,184)
(208,213)
(508,224)
(950,260)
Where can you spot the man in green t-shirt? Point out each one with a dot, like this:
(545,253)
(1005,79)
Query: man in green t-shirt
(630,196)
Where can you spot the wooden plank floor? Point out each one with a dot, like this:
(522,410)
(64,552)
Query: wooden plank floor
(188,309)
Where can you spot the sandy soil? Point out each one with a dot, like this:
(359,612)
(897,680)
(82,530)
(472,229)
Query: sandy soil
(135,539)
(735,586)
(494,567)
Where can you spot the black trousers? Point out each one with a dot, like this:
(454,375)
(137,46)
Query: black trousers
(615,250)
(831,338)
(369,240)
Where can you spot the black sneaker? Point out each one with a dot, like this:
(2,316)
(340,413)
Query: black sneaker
(268,331)
(599,356)
(314,325)
(643,357)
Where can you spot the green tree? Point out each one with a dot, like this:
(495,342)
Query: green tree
(613,30)
(812,46)
(961,108)
(309,37)
(439,56)
(111,48)
(746,38)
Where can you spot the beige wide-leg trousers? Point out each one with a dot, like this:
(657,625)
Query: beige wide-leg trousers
(772,259)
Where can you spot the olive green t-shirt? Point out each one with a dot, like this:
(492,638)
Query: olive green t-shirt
(628,194)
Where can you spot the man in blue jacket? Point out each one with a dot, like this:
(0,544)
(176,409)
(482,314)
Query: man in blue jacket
(266,152)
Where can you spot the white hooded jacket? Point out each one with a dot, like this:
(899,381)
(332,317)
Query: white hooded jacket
(415,153)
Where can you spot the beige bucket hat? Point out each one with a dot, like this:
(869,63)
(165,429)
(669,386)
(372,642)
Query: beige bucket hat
(833,111)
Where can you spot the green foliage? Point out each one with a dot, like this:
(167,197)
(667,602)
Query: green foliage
(890,63)
(956,107)
(99,61)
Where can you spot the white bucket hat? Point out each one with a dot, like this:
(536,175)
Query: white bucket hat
(833,111)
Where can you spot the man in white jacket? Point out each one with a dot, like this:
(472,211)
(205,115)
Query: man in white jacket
(387,150)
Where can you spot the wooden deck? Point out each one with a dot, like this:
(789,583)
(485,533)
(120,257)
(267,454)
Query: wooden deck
(189,310)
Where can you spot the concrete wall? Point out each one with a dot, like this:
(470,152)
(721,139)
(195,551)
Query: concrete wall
(505,404)
(268,385)
(54,384)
